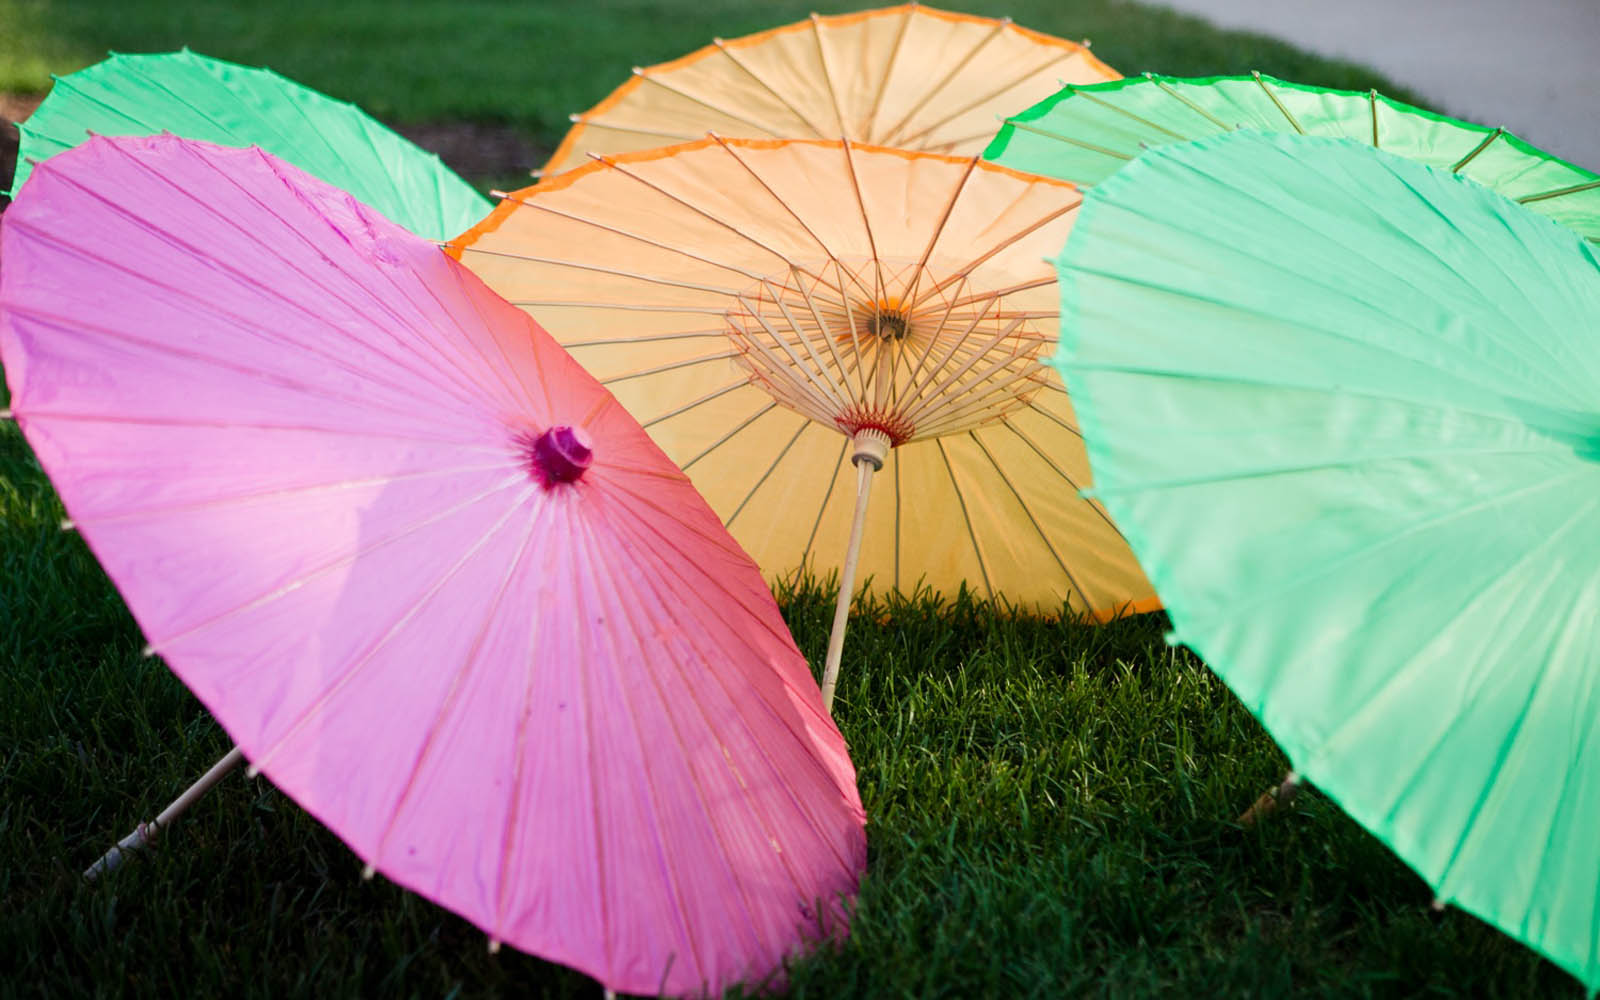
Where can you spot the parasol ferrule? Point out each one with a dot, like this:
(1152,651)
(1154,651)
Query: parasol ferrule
(561,455)
(869,445)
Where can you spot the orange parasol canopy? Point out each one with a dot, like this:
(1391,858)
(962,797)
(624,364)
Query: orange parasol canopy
(909,76)
(772,311)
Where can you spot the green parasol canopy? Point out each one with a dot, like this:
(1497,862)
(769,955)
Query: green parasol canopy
(1346,410)
(1083,134)
(196,97)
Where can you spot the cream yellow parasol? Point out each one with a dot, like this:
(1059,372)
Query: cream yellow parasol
(909,76)
(773,311)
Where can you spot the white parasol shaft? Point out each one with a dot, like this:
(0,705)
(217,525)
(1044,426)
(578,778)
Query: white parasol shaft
(870,448)
(146,832)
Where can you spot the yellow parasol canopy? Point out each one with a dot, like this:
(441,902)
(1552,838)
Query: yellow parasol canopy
(771,311)
(908,76)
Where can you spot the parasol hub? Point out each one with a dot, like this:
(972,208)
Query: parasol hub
(869,445)
(858,420)
(887,319)
(560,455)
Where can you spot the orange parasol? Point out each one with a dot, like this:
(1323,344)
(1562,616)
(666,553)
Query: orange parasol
(908,76)
(771,309)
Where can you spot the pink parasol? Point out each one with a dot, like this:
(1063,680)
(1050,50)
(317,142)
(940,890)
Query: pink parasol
(429,575)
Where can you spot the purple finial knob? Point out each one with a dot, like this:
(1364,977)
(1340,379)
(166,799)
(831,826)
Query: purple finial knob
(561,454)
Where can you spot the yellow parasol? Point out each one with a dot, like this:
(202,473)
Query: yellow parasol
(908,76)
(774,311)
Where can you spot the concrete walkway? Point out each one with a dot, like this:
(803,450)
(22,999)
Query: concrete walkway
(1532,66)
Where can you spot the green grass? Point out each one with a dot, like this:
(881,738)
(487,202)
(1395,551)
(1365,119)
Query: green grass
(1050,805)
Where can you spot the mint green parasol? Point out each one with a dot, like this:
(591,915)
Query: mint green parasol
(1346,410)
(197,97)
(1083,134)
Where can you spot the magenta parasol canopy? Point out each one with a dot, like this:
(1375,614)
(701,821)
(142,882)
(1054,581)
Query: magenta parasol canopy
(427,573)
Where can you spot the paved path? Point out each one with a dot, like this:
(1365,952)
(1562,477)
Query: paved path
(1532,66)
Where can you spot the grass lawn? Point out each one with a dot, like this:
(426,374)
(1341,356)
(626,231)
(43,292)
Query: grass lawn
(1050,806)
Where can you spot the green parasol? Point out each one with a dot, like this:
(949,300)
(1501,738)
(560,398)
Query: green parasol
(197,97)
(1083,134)
(1346,410)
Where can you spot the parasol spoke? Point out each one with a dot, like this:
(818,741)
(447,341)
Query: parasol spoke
(341,562)
(658,338)
(530,664)
(988,99)
(25,224)
(69,84)
(833,388)
(672,137)
(419,332)
(686,310)
(1277,103)
(66,326)
(671,588)
(827,77)
(541,206)
(827,495)
(231,499)
(938,230)
(1069,140)
(369,655)
(740,231)
(956,344)
(606,600)
(1049,544)
(36,414)
(685,408)
(1172,92)
(1480,147)
(950,73)
(1021,286)
(1050,463)
(935,393)
(855,335)
(761,81)
(833,352)
(869,131)
(469,664)
(787,208)
(966,517)
(1089,95)
(1560,192)
(729,435)
(600,269)
(805,422)
(505,362)
(866,223)
(1012,240)
(671,366)
(648,77)
(976,408)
